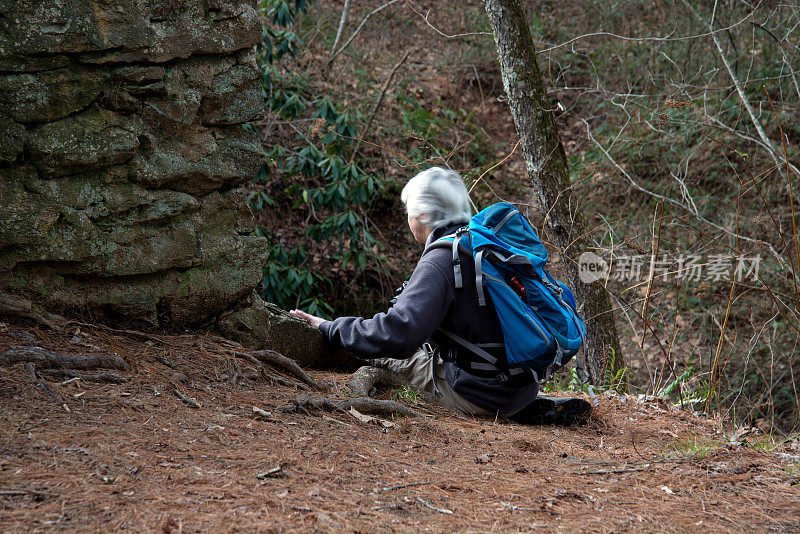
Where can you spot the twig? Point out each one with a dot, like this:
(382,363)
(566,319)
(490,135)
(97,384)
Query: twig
(786,60)
(387,149)
(231,343)
(496,164)
(187,400)
(791,197)
(378,103)
(263,414)
(332,420)
(109,378)
(401,486)
(674,202)
(640,39)
(715,370)
(20,429)
(654,248)
(772,218)
(609,471)
(14,433)
(134,333)
(432,507)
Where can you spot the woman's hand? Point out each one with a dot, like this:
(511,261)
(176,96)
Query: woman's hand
(307,317)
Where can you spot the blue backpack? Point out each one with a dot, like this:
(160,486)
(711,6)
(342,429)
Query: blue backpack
(542,330)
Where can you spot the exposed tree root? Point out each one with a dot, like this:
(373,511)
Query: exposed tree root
(108,378)
(143,336)
(32,371)
(277,379)
(64,365)
(19,307)
(45,359)
(363,381)
(385,408)
(285,364)
(285,382)
(165,362)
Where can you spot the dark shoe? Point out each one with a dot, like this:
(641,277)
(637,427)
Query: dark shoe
(554,411)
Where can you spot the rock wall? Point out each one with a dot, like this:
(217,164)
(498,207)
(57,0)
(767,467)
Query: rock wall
(124,154)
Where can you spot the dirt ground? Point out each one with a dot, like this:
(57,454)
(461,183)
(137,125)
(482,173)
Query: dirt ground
(135,457)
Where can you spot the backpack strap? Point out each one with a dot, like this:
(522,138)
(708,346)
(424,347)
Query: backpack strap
(557,363)
(479,277)
(474,348)
(456,259)
(585,382)
(490,362)
(444,241)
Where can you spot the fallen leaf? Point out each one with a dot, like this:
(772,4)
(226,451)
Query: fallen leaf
(360,416)
(261,413)
(275,472)
(364,418)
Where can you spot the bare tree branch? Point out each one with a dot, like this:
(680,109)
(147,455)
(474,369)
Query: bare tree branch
(378,104)
(681,205)
(358,30)
(767,143)
(440,32)
(342,22)
(643,39)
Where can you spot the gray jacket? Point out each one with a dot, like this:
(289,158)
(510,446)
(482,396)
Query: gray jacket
(430,301)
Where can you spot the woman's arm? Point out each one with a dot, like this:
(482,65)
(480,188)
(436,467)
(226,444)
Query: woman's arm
(401,330)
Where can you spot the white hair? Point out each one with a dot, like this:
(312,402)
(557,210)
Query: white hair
(438,197)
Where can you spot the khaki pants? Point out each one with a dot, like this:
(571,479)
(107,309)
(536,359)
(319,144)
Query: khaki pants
(426,373)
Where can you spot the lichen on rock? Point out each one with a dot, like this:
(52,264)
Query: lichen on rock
(124,156)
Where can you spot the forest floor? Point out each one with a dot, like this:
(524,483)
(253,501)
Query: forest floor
(135,457)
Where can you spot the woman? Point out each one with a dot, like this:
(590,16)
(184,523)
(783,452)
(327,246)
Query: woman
(405,339)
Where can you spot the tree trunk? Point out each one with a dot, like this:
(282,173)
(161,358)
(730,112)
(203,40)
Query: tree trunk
(547,168)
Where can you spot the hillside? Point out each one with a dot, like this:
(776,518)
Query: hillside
(694,220)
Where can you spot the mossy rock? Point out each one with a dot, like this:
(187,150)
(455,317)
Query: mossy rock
(260,325)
